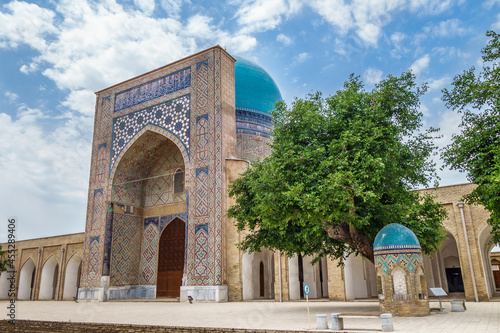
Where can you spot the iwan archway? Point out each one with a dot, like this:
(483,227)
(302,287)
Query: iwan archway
(148,192)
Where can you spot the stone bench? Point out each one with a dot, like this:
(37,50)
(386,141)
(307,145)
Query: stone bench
(458,305)
(338,319)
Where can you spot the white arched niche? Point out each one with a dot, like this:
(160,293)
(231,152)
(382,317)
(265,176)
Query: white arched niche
(315,276)
(360,277)
(485,251)
(258,275)
(26,277)
(72,277)
(4,285)
(48,279)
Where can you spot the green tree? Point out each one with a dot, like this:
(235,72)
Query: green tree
(476,150)
(341,168)
(4,262)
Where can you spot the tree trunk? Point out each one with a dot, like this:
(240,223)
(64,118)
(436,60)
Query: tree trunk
(349,235)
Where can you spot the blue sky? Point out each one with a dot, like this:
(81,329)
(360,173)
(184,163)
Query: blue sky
(55,54)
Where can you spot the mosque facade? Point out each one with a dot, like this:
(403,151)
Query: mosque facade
(166,146)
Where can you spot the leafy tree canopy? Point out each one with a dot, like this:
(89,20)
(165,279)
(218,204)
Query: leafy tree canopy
(341,168)
(476,150)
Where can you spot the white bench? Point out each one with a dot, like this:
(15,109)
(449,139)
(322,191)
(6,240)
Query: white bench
(338,319)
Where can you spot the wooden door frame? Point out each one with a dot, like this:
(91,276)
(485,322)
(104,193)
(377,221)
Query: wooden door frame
(158,250)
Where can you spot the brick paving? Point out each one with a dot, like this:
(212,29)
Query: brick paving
(481,317)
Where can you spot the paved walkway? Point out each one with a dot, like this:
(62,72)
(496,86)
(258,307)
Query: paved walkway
(480,317)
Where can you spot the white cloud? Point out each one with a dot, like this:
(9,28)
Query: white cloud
(172,7)
(147,6)
(496,26)
(302,57)
(12,97)
(435,84)
(14,29)
(420,64)
(262,15)
(448,28)
(82,101)
(372,75)
(282,38)
(96,45)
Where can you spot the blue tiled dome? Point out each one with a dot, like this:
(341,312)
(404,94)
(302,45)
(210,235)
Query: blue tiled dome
(255,88)
(395,235)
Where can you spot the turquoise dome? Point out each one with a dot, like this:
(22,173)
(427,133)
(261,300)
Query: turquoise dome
(395,235)
(255,88)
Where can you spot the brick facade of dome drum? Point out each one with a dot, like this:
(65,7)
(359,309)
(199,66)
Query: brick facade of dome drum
(401,285)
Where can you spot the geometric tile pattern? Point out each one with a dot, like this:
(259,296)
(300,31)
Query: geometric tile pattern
(202,138)
(202,192)
(154,89)
(102,162)
(149,250)
(94,264)
(202,85)
(104,125)
(172,115)
(99,214)
(202,250)
(408,261)
(126,250)
(107,241)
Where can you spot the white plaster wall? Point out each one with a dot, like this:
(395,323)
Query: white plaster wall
(485,252)
(24,291)
(349,278)
(293,278)
(71,278)
(4,285)
(47,279)
(324,266)
(429,273)
(310,276)
(358,277)
(371,278)
(246,276)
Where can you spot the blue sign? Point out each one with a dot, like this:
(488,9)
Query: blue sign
(306,289)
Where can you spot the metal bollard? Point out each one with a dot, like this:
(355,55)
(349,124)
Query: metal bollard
(321,322)
(387,322)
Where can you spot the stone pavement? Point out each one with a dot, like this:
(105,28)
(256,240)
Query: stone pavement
(480,317)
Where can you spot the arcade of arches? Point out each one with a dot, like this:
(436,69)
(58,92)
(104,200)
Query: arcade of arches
(42,277)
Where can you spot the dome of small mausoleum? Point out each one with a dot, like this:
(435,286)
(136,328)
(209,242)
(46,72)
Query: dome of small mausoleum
(255,88)
(395,236)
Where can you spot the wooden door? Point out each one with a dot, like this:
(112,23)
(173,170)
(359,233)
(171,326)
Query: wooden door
(496,276)
(171,259)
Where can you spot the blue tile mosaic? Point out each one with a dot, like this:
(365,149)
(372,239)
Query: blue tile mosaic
(154,89)
(172,115)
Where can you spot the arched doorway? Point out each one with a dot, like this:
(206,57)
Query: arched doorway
(26,280)
(258,275)
(48,280)
(490,257)
(171,259)
(302,271)
(72,277)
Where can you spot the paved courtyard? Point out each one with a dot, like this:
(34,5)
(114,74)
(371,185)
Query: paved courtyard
(480,317)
